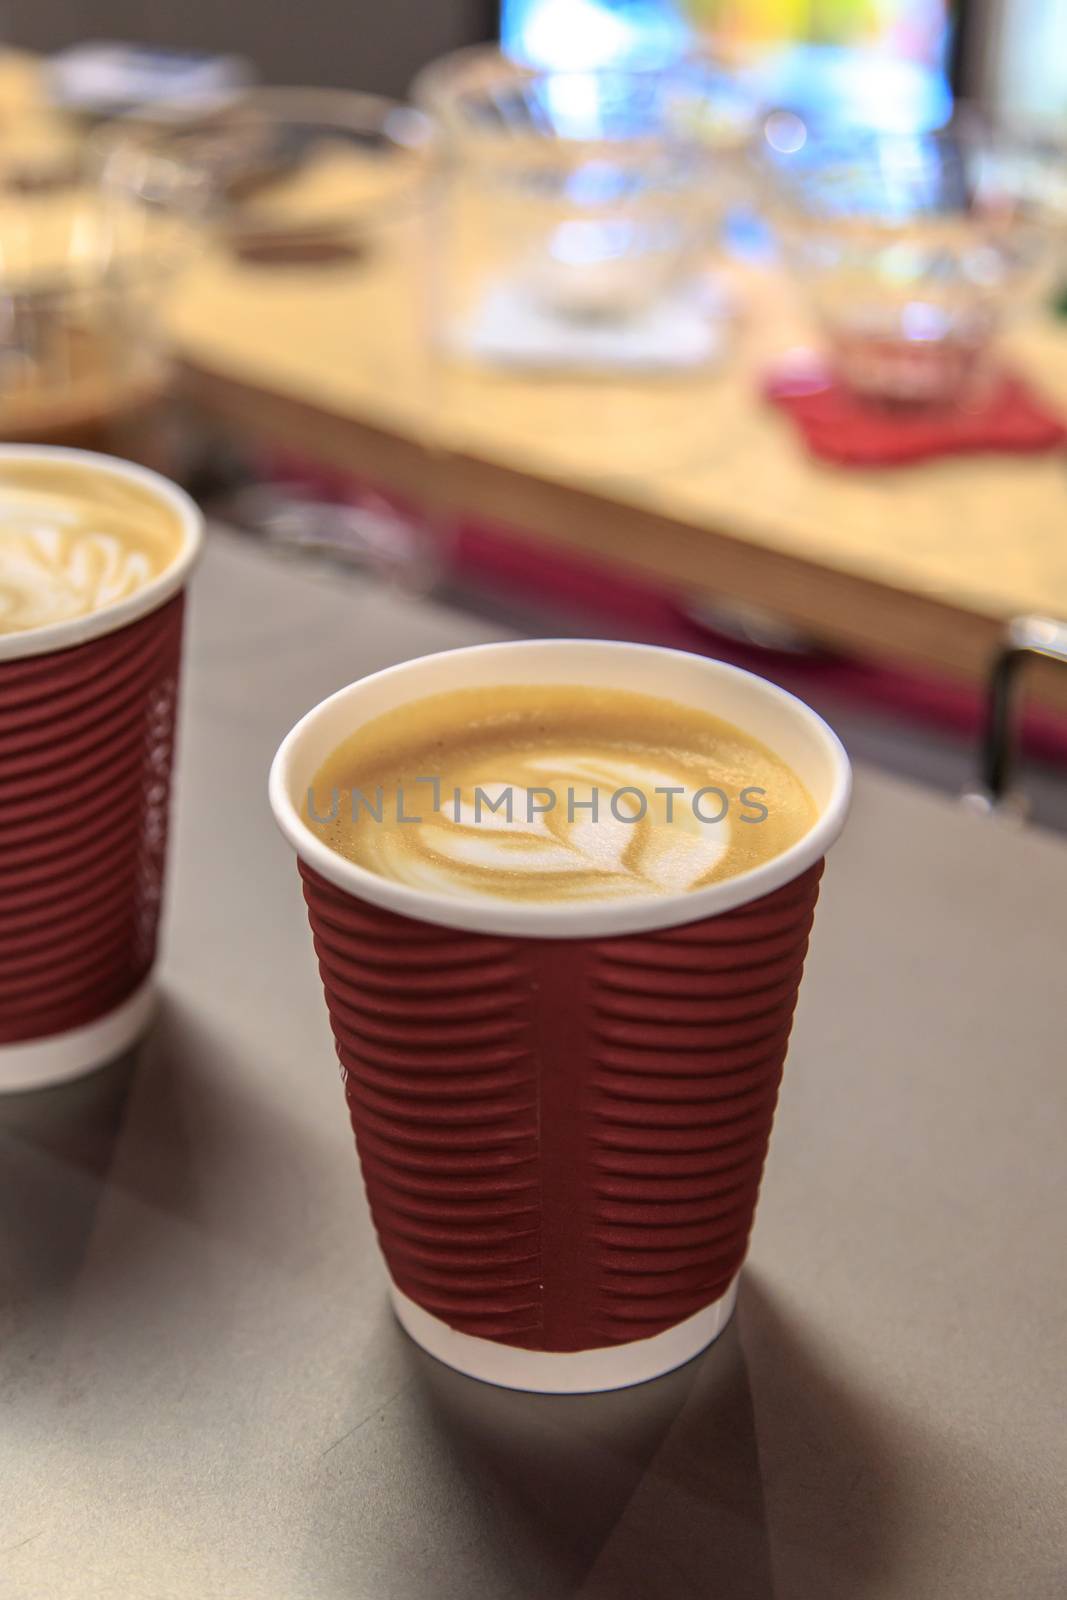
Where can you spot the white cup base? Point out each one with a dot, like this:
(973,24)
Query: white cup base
(41,1062)
(579,1372)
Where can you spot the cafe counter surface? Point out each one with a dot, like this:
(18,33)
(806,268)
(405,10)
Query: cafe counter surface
(207,1398)
(700,486)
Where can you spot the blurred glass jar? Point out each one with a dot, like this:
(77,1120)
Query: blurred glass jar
(1036,159)
(912,249)
(578,232)
(285,176)
(83,274)
(313,208)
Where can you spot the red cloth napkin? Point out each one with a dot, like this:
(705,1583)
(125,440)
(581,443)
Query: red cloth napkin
(838,426)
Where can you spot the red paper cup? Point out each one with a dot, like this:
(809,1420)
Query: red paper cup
(87,713)
(562,1111)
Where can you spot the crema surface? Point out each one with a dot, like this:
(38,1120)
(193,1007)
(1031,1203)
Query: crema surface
(74,541)
(561,793)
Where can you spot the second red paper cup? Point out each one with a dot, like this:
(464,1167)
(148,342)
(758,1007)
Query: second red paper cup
(562,1112)
(87,719)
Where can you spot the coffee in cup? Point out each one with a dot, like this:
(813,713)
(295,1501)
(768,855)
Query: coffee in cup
(556,793)
(561,1064)
(94,554)
(76,540)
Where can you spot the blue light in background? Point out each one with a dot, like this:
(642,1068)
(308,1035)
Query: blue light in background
(860,86)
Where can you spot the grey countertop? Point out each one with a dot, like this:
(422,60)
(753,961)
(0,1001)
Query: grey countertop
(202,1390)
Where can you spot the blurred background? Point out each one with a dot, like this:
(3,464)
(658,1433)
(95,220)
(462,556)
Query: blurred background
(736,324)
(1008,50)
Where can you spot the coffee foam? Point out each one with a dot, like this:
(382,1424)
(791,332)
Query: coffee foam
(509,749)
(75,540)
(564,854)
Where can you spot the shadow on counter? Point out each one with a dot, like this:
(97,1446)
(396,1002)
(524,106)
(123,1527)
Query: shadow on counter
(56,1150)
(752,1473)
(645,1492)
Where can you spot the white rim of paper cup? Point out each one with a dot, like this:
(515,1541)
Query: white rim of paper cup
(108,619)
(784,723)
(616,1366)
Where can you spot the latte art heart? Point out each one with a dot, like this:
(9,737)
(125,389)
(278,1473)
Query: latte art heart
(561,794)
(73,541)
(595,839)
